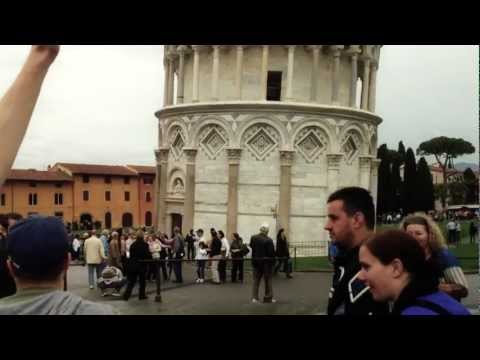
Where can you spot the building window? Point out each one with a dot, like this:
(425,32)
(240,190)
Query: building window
(148,197)
(86,196)
(148,218)
(32,184)
(107,195)
(148,180)
(59,214)
(32,199)
(108,179)
(58,185)
(127,195)
(86,179)
(59,199)
(2,200)
(274,85)
(126,180)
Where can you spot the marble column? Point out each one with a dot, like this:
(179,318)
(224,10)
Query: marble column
(285,200)
(264,73)
(291,58)
(365,171)
(374,181)
(215,69)
(161,156)
(234,155)
(314,84)
(365,77)
(372,87)
(181,74)
(171,79)
(353,51)
(333,170)
(196,73)
(166,64)
(336,52)
(238,76)
(189,202)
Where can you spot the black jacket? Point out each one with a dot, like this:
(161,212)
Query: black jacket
(7,284)
(262,246)
(216,247)
(282,247)
(349,296)
(139,251)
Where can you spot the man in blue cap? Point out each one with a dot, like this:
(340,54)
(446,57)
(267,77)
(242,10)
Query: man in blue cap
(39,256)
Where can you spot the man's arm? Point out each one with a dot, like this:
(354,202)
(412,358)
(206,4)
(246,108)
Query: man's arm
(16,106)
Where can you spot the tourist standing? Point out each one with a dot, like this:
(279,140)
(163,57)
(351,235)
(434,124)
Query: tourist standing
(283,253)
(225,252)
(238,250)
(190,241)
(215,255)
(94,257)
(263,260)
(115,253)
(201,257)
(452,231)
(139,252)
(178,254)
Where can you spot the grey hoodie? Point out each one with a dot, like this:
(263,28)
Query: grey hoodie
(51,302)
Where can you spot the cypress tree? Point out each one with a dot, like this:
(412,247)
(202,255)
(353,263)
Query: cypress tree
(410,183)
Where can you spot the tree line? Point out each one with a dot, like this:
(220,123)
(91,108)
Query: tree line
(416,191)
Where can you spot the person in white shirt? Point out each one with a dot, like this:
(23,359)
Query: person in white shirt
(451,227)
(76,248)
(201,256)
(222,265)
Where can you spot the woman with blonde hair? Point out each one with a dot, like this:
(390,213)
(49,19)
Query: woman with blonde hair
(440,259)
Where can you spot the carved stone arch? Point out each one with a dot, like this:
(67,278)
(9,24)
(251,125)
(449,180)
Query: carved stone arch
(352,144)
(177,140)
(320,123)
(271,120)
(310,141)
(261,139)
(211,120)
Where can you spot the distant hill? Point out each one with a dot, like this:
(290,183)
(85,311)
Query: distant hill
(462,166)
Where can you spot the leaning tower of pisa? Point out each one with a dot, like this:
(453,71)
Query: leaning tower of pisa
(261,133)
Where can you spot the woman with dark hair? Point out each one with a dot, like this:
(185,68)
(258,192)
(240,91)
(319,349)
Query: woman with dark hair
(139,251)
(393,266)
(439,258)
(283,253)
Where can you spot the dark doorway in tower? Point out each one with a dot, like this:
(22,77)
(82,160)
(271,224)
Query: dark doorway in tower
(176,221)
(108,220)
(148,218)
(127,220)
(86,221)
(274,85)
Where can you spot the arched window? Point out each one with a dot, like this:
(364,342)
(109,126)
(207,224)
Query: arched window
(127,220)
(148,218)
(108,220)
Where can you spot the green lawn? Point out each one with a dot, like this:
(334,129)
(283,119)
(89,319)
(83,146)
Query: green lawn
(466,253)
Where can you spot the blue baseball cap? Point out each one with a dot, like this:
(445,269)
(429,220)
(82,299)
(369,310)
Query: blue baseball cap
(38,245)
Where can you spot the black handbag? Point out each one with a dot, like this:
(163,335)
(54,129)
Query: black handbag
(244,250)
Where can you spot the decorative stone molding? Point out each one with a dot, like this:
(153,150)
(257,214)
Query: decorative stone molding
(190,154)
(234,155)
(333,160)
(365,162)
(161,155)
(351,145)
(286,157)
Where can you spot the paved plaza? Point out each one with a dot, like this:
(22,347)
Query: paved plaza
(305,294)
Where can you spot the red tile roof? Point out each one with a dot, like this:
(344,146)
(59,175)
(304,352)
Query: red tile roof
(98,169)
(36,175)
(143,169)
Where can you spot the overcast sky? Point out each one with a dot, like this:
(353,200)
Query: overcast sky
(98,102)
